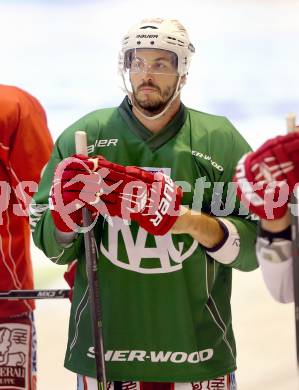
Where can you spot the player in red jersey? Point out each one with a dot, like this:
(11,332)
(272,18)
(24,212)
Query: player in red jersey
(25,147)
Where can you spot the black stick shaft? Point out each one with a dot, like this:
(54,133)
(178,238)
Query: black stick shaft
(93,280)
(35,294)
(94,299)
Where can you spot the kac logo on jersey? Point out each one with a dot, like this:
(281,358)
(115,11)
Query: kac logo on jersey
(164,257)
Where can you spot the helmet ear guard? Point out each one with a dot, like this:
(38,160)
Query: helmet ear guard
(183,81)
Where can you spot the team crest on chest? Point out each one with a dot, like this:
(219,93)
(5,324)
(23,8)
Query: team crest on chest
(160,256)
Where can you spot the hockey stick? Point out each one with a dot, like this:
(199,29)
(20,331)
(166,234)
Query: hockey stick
(35,294)
(291,124)
(93,282)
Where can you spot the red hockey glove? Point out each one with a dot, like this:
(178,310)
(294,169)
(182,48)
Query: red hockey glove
(266,178)
(74,186)
(131,193)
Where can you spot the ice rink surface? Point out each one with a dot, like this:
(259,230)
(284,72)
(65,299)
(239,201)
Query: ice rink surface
(245,67)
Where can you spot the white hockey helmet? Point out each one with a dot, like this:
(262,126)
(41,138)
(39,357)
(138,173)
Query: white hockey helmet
(165,34)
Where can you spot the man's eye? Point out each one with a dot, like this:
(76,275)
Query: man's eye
(160,65)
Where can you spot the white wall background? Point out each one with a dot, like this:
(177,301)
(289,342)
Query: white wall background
(245,67)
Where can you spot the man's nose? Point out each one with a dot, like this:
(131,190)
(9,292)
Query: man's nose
(147,74)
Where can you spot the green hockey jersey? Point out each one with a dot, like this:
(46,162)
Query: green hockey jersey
(165,301)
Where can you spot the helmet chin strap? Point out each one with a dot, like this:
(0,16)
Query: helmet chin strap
(154,117)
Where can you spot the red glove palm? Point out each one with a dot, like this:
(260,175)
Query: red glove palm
(266,178)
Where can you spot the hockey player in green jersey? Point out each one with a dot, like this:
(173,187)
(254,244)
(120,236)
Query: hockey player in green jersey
(167,246)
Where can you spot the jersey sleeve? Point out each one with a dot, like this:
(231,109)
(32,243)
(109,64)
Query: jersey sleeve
(25,141)
(41,222)
(241,225)
(277,267)
(42,225)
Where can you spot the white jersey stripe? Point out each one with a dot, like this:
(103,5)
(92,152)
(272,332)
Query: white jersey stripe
(73,343)
(223,333)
